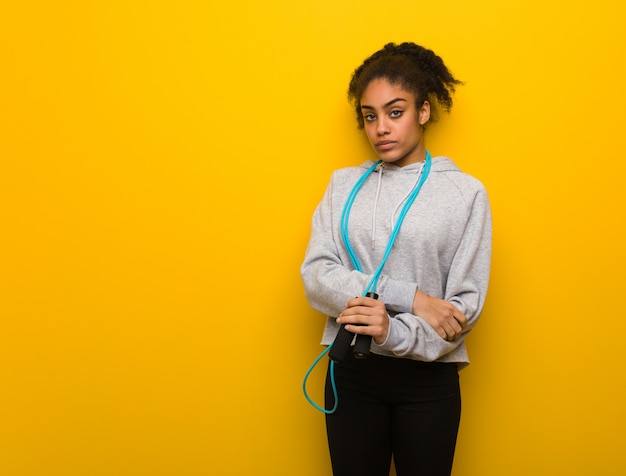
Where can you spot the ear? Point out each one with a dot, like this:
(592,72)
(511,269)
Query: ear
(423,113)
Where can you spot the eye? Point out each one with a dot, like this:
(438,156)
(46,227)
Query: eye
(369,117)
(396,113)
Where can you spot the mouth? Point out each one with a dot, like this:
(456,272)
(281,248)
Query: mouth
(385,144)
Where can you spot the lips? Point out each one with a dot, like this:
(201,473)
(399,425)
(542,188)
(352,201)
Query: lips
(385,144)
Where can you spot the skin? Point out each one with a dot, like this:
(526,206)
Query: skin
(394,126)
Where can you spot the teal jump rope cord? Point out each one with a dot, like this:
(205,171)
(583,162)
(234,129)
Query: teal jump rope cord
(371,287)
(345,215)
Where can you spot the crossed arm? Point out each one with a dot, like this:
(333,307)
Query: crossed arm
(369,316)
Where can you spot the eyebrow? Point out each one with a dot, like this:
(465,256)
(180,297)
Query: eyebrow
(393,101)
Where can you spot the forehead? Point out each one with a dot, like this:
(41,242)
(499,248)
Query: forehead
(380,92)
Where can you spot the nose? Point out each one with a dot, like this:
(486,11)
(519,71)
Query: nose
(382,127)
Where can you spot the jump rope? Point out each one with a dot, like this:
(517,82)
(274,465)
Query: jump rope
(339,347)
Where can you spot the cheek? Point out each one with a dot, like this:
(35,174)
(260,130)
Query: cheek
(410,131)
(370,132)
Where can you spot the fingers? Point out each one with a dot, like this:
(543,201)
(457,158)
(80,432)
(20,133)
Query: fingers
(460,318)
(363,301)
(448,321)
(362,310)
(366,316)
(362,315)
(451,331)
(453,326)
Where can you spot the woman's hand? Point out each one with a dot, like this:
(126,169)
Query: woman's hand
(441,315)
(367,316)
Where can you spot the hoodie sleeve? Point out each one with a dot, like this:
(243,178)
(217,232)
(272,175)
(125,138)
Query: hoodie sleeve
(466,288)
(328,276)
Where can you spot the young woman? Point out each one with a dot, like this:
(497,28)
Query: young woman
(429,225)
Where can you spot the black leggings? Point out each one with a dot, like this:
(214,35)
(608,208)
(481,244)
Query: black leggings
(390,406)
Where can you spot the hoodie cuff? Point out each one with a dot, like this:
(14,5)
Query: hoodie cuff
(392,335)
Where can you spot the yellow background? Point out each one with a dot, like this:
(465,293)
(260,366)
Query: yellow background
(160,163)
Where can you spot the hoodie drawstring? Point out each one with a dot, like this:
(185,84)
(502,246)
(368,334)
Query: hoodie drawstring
(404,199)
(400,203)
(380,181)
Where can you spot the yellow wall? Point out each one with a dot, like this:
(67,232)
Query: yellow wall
(160,162)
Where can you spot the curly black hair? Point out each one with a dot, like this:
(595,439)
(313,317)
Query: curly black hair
(414,68)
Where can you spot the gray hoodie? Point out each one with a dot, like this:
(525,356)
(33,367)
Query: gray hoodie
(443,249)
